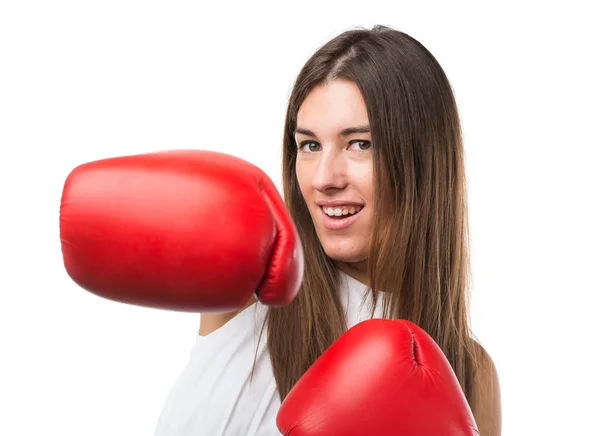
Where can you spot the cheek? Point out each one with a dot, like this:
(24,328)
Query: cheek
(365,183)
(303,179)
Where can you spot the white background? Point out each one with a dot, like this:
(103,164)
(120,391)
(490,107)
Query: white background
(83,80)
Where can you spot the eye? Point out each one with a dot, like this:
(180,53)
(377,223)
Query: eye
(363,145)
(312,146)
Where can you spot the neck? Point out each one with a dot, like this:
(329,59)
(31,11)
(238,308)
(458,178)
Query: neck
(356,270)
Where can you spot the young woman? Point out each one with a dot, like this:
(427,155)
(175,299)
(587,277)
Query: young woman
(374,178)
(374,181)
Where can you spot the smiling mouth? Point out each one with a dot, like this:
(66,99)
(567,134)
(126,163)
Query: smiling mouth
(341,212)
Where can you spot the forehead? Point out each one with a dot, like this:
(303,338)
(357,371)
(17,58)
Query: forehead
(334,105)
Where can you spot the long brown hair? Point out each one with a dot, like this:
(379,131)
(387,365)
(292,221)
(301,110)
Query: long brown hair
(419,247)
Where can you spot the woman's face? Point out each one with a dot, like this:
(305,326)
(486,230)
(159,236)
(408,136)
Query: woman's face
(334,170)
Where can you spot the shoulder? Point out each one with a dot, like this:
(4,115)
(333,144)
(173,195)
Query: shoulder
(486,401)
(485,365)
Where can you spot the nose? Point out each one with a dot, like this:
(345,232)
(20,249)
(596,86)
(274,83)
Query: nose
(331,171)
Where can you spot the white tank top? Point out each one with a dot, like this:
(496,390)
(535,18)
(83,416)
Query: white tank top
(214,395)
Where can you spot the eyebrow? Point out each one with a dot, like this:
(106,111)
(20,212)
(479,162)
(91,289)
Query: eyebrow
(344,132)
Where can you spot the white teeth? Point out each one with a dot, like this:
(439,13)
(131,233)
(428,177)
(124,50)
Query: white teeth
(341,211)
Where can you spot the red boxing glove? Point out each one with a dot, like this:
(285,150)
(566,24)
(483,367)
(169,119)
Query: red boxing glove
(194,231)
(384,378)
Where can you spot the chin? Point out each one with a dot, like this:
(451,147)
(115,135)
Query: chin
(346,254)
